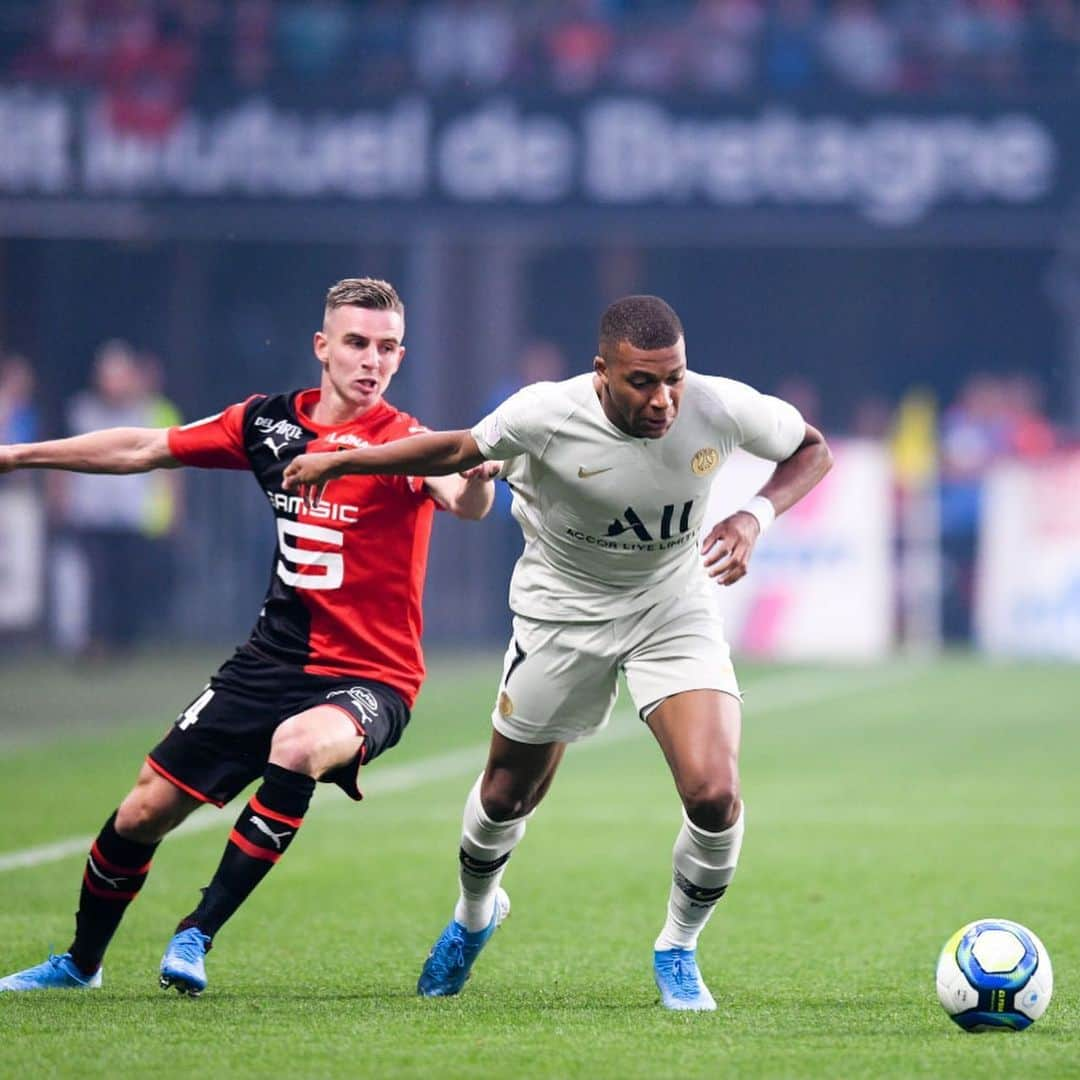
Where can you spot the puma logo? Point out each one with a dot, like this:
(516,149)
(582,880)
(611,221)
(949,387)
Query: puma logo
(275,447)
(267,831)
(584,474)
(112,882)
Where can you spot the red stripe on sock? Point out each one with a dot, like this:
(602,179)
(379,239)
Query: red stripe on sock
(248,848)
(262,808)
(106,894)
(127,871)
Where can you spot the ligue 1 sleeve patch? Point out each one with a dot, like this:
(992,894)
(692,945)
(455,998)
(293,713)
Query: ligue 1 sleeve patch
(491,430)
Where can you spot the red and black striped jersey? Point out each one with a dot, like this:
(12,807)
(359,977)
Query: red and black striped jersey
(347,581)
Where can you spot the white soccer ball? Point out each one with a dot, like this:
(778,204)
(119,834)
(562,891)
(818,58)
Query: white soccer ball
(994,974)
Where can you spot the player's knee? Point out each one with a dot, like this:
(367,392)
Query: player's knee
(306,748)
(142,818)
(712,802)
(503,800)
(295,749)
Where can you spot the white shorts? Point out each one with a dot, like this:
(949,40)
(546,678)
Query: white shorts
(560,680)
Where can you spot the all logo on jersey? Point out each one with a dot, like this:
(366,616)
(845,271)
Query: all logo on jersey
(632,521)
(655,530)
(704,461)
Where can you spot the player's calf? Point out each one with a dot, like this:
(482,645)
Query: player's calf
(703,865)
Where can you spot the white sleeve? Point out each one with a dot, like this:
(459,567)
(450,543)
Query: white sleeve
(770,428)
(520,425)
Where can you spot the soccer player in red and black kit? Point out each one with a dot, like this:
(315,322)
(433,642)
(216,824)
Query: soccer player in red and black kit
(325,682)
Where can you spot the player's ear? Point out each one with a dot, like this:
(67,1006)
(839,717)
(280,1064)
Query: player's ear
(599,366)
(321,347)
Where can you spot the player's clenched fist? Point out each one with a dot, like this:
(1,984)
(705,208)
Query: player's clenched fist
(727,547)
(7,459)
(487,471)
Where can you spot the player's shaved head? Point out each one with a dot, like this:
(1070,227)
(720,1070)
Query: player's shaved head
(646,322)
(364,292)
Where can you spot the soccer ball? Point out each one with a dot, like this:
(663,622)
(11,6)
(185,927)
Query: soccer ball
(994,974)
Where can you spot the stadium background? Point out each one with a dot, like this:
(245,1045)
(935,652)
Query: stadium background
(848,203)
(872,208)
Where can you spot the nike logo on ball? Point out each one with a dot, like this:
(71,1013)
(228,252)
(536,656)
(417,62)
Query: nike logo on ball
(584,474)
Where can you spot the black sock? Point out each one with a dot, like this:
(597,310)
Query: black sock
(115,871)
(263,831)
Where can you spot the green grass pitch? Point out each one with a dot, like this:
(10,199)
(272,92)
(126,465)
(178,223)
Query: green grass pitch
(886,806)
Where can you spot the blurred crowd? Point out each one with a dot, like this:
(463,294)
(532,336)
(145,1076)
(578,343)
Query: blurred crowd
(992,418)
(111,560)
(152,56)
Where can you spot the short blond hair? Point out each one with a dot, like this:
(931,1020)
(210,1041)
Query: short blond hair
(364,292)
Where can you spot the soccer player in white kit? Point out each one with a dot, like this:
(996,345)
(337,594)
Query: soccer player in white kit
(611,473)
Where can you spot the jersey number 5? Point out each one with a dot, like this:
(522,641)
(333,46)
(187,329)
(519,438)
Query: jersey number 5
(327,568)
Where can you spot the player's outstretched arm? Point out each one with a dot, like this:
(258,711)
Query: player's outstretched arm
(437,453)
(114,450)
(728,545)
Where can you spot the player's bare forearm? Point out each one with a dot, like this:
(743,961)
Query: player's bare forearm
(114,450)
(797,475)
(436,453)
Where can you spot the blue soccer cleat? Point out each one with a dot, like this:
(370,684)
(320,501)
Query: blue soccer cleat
(452,956)
(679,981)
(183,966)
(56,973)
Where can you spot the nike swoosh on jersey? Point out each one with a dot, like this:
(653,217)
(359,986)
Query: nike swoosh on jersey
(584,474)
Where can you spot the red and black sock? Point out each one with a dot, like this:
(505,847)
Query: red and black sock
(115,871)
(261,835)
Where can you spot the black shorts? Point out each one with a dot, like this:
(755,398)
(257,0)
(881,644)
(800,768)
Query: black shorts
(221,742)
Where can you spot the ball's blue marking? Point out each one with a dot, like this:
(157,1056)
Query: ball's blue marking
(996,980)
(979,1020)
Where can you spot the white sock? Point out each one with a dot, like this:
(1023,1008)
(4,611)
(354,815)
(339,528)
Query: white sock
(704,864)
(485,848)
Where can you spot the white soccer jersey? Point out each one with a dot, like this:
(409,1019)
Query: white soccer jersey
(611,521)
